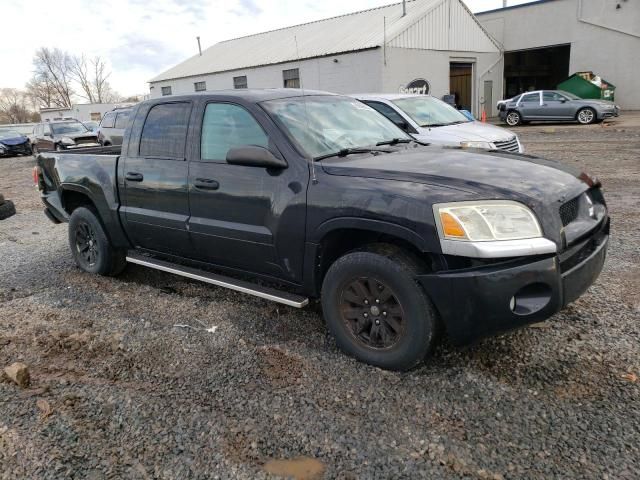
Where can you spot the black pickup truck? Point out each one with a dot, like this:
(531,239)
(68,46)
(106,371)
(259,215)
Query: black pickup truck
(293,196)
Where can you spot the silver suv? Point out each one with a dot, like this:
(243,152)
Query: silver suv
(112,126)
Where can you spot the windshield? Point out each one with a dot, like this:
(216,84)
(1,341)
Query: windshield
(570,95)
(68,127)
(325,125)
(428,111)
(9,134)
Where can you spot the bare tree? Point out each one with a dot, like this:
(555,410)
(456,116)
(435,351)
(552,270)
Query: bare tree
(14,106)
(92,77)
(53,71)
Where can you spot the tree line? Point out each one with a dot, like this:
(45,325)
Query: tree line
(59,79)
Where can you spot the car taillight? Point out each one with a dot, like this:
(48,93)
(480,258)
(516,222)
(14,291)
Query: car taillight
(36,177)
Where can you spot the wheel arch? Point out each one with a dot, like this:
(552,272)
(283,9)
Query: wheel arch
(340,236)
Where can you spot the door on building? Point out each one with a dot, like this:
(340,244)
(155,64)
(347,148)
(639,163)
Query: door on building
(488,97)
(535,69)
(460,81)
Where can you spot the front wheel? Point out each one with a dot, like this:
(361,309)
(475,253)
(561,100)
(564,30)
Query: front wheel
(586,116)
(513,118)
(375,309)
(90,247)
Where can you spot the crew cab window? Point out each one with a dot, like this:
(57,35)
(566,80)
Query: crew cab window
(122,120)
(164,133)
(108,120)
(531,98)
(226,126)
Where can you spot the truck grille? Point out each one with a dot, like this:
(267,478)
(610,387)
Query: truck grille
(508,145)
(569,211)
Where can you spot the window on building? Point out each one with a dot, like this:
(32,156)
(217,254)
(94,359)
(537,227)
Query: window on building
(240,82)
(166,91)
(108,120)
(200,86)
(165,131)
(291,78)
(122,120)
(226,126)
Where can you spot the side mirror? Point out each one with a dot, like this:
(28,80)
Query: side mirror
(251,156)
(563,100)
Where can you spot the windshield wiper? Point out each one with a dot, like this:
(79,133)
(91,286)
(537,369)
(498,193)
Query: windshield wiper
(394,141)
(429,125)
(350,151)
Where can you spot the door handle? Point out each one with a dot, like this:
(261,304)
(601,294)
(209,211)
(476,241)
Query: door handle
(206,184)
(134,177)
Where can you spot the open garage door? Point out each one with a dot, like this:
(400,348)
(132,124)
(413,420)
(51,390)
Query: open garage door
(535,69)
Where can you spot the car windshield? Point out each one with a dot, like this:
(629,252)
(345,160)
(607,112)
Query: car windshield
(4,133)
(326,125)
(68,127)
(428,111)
(569,95)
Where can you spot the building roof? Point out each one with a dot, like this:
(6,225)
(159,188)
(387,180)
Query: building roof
(427,25)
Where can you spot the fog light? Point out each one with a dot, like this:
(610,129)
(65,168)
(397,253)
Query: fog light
(530,299)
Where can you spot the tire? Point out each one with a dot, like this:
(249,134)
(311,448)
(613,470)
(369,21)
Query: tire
(7,209)
(90,247)
(396,333)
(513,118)
(1,199)
(586,116)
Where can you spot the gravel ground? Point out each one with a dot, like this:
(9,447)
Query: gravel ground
(119,391)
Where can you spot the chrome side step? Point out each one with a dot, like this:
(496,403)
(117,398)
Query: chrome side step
(267,293)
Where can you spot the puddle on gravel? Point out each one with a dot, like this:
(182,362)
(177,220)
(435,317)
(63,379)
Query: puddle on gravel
(301,468)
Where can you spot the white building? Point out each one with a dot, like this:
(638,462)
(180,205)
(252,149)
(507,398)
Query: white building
(85,112)
(438,47)
(548,40)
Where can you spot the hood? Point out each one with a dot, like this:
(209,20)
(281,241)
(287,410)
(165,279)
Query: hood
(464,132)
(487,174)
(77,136)
(13,141)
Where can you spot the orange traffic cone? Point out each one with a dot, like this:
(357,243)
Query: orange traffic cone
(483,117)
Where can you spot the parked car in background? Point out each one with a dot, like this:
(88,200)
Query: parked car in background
(13,143)
(111,129)
(319,196)
(63,135)
(92,126)
(555,105)
(431,120)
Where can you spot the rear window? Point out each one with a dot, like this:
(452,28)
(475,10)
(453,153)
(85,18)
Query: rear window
(165,131)
(108,120)
(122,120)
(531,98)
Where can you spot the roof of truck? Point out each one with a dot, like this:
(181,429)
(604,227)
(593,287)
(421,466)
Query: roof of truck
(252,95)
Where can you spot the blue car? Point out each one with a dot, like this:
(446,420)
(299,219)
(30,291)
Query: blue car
(13,143)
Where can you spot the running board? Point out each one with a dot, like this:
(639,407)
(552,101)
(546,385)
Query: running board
(267,293)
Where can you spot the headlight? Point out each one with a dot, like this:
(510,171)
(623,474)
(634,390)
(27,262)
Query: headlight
(67,141)
(484,145)
(486,221)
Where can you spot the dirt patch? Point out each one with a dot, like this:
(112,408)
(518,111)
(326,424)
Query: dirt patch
(282,368)
(301,468)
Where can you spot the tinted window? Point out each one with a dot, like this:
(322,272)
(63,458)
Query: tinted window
(122,120)
(165,131)
(387,111)
(531,98)
(108,120)
(552,97)
(227,126)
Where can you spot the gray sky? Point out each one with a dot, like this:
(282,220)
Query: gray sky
(141,38)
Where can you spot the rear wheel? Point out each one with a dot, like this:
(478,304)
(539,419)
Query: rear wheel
(513,118)
(586,116)
(7,209)
(90,247)
(375,309)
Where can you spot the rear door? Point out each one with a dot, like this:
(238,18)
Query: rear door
(246,217)
(531,106)
(154,179)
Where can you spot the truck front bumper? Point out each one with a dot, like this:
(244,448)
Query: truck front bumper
(479,302)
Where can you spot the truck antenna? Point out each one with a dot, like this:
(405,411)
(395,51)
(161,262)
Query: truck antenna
(314,179)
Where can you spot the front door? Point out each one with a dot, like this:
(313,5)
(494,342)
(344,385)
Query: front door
(556,106)
(154,175)
(246,217)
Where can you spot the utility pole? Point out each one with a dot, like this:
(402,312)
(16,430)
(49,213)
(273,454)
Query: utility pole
(199,47)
